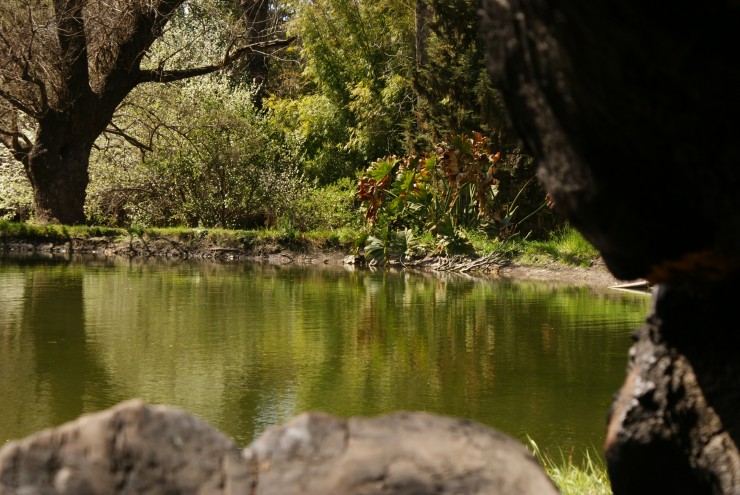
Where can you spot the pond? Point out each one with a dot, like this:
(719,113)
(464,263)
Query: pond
(246,346)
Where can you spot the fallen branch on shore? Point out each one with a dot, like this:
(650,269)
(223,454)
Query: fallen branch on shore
(463,264)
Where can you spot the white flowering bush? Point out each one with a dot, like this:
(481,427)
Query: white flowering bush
(214,160)
(16,196)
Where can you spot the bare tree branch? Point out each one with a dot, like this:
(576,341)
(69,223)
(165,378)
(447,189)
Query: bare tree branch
(17,143)
(124,74)
(22,72)
(117,131)
(17,139)
(18,104)
(6,139)
(12,141)
(166,76)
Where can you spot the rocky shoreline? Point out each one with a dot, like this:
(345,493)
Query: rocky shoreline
(596,275)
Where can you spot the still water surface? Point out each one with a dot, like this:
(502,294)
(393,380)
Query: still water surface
(246,346)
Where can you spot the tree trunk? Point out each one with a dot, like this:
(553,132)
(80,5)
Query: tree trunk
(631,119)
(633,122)
(675,426)
(57,167)
(257,67)
(421,35)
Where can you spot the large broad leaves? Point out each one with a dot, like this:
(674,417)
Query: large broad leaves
(441,192)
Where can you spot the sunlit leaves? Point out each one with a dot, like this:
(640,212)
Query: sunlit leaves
(454,187)
(214,163)
(317,129)
(446,183)
(16,197)
(356,57)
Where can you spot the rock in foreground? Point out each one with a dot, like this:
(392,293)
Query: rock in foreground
(402,453)
(134,448)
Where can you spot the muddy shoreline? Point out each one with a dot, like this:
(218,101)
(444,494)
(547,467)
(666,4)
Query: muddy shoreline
(597,275)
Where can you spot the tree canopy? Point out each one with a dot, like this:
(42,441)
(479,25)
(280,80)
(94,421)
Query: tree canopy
(66,66)
(264,137)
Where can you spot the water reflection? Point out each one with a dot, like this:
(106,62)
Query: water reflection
(247,346)
(48,368)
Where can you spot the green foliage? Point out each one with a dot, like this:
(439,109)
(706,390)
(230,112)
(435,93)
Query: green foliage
(570,243)
(445,192)
(53,233)
(204,29)
(588,478)
(216,164)
(356,98)
(15,229)
(456,95)
(213,152)
(315,128)
(565,245)
(224,164)
(348,43)
(330,207)
(392,245)
(16,196)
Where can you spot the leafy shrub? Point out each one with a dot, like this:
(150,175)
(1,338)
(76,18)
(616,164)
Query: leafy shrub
(317,130)
(217,164)
(16,196)
(449,191)
(329,207)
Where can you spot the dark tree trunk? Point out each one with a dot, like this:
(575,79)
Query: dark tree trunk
(675,427)
(632,116)
(58,172)
(257,65)
(57,164)
(421,34)
(631,112)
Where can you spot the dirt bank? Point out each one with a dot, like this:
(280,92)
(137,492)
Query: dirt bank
(596,275)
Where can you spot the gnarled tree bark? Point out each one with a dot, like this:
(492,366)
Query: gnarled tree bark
(631,108)
(631,111)
(675,425)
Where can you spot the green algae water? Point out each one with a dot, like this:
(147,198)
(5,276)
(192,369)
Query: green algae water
(246,346)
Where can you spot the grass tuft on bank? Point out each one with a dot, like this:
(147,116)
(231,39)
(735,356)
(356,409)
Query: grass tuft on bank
(53,233)
(566,246)
(587,478)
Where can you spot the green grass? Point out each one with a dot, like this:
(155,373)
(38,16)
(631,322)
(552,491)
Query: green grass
(315,240)
(566,246)
(340,239)
(586,478)
(54,233)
